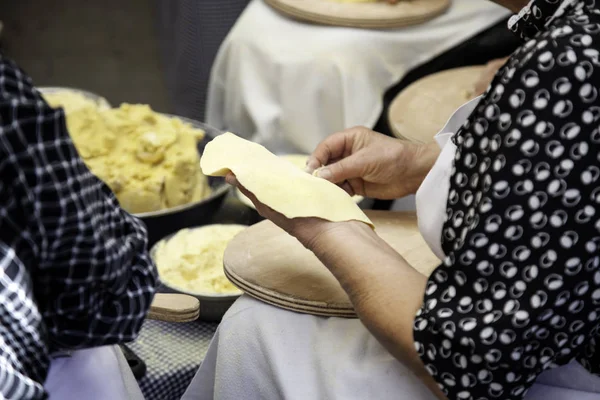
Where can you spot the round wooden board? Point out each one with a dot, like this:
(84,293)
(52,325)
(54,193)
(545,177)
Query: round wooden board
(420,110)
(361,15)
(270,265)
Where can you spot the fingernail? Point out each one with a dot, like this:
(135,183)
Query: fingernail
(312,164)
(324,173)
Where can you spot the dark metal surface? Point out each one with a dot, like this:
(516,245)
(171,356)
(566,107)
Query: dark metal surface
(202,213)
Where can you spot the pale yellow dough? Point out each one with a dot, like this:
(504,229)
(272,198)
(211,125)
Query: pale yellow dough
(192,260)
(278,183)
(299,160)
(72,101)
(149,160)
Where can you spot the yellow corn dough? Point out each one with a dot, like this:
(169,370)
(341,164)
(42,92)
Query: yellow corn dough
(70,100)
(299,160)
(278,183)
(192,260)
(149,160)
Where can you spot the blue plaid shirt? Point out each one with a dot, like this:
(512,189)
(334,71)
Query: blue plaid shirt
(74,267)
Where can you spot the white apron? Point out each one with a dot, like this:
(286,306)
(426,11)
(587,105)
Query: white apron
(264,352)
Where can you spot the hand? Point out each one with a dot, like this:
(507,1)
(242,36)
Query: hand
(487,75)
(306,229)
(368,163)
(371,272)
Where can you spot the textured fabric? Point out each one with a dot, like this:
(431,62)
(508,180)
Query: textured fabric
(74,271)
(100,373)
(264,352)
(534,18)
(190,33)
(519,290)
(288,84)
(433,192)
(172,353)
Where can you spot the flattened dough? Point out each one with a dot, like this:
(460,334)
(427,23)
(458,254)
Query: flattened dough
(277,182)
(299,160)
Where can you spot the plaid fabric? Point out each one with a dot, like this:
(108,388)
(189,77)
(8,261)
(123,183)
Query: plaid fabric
(74,270)
(172,353)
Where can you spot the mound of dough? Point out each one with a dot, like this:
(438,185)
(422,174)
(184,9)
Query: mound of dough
(278,183)
(149,160)
(192,260)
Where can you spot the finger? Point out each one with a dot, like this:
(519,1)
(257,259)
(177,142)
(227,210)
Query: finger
(345,169)
(248,194)
(333,146)
(262,209)
(348,188)
(231,179)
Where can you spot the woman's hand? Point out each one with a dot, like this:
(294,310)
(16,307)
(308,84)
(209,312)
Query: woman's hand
(487,75)
(385,290)
(307,230)
(368,163)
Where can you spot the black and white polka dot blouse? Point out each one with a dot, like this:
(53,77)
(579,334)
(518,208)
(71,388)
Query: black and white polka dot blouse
(519,290)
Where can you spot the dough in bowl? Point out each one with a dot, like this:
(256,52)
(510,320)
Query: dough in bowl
(192,260)
(278,183)
(149,160)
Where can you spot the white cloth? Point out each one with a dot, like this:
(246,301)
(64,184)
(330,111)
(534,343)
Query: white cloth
(268,353)
(433,193)
(100,373)
(288,84)
(264,352)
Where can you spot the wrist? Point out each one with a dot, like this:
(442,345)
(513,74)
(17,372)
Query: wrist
(314,232)
(422,158)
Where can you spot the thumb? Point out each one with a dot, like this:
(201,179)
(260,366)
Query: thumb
(344,169)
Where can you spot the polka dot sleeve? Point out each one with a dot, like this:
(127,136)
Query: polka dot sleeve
(519,290)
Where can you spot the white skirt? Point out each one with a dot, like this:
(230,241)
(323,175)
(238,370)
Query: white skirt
(264,352)
(101,373)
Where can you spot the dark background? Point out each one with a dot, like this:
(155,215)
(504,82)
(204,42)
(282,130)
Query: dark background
(108,47)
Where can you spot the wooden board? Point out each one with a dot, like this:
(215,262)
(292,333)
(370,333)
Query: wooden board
(361,15)
(174,307)
(268,264)
(420,110)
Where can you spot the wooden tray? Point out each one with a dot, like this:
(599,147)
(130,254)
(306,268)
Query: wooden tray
(420,110)
(361,15)
(272,266)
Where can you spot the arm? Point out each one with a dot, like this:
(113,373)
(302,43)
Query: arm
(423,159)
(385,290)
(92,277)
(519,289)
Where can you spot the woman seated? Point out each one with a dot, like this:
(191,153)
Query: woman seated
(509,202)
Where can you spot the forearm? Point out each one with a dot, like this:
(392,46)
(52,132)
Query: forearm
(384,289)
(421,162)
